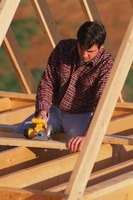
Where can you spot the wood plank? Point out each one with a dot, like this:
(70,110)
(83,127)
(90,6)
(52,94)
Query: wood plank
(118,139)
(5,104)
(22,70)
(39,173)
(15,194)
(107,190)
(101,118)
(10,104)
(124,105)
(15,156)
(48,24)
(32,143)
(17,95)
(18,103)
(16,116)
(45,171)
(100,175)
(7,12)
(120,124)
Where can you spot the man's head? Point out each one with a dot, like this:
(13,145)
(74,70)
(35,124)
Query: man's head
(90,36)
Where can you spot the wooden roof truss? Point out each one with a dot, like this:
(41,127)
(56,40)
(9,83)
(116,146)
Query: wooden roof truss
(46,170)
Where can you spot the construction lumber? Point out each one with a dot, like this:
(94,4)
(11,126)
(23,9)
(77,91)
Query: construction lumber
(101,118)
(120,124)
(7,12)
(43,12)
(17,95)
(89,9)
(15,194)
(4,104)
(10,104)
(120,187)
(15,156)
(44,171)
(118,139)
(38,173)
(125,105)
(16,116)
(100,175)
(22,70)
(23,142)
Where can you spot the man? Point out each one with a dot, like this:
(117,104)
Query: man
(72,83)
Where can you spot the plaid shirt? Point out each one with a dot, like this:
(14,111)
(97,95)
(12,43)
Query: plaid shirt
(71,86)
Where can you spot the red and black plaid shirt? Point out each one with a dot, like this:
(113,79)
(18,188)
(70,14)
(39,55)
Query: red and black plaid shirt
(70,86)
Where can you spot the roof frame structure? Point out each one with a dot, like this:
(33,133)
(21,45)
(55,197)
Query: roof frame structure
(81,162)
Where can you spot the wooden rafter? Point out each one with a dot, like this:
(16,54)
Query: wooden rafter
(19,64)
(31,167)
(48,23)
(5,19)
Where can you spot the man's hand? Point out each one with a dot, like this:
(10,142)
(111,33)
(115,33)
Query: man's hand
(76,143)
(42,114)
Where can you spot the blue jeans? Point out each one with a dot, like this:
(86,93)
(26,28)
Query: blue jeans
(71,124)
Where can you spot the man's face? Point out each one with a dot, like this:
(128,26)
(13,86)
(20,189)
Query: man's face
(88,54)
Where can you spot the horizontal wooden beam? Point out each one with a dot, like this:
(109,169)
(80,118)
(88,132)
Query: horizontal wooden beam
(39,173)
(32,143)
(118,139)
(120,124)
(124,105)
(15,194)
(17,95)
(5,104)
(16,116)
(100,175)
(119,187)
(20,103)
(15,156)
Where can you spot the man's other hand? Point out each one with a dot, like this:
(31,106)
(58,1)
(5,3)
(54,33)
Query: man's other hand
(76,143)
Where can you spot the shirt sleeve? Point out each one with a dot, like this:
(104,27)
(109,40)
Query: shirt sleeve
(47,82)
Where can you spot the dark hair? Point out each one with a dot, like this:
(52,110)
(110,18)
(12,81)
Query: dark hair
(91,33)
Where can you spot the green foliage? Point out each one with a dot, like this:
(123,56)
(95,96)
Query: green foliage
(23,3)
(10,82)
(3,59)
(24,30)
(37,73)
(129,84)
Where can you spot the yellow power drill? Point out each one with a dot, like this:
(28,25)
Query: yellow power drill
(39,131)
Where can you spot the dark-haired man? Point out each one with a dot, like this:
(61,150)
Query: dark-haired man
(72,83)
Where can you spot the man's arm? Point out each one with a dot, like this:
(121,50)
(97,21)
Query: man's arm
(47,85)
